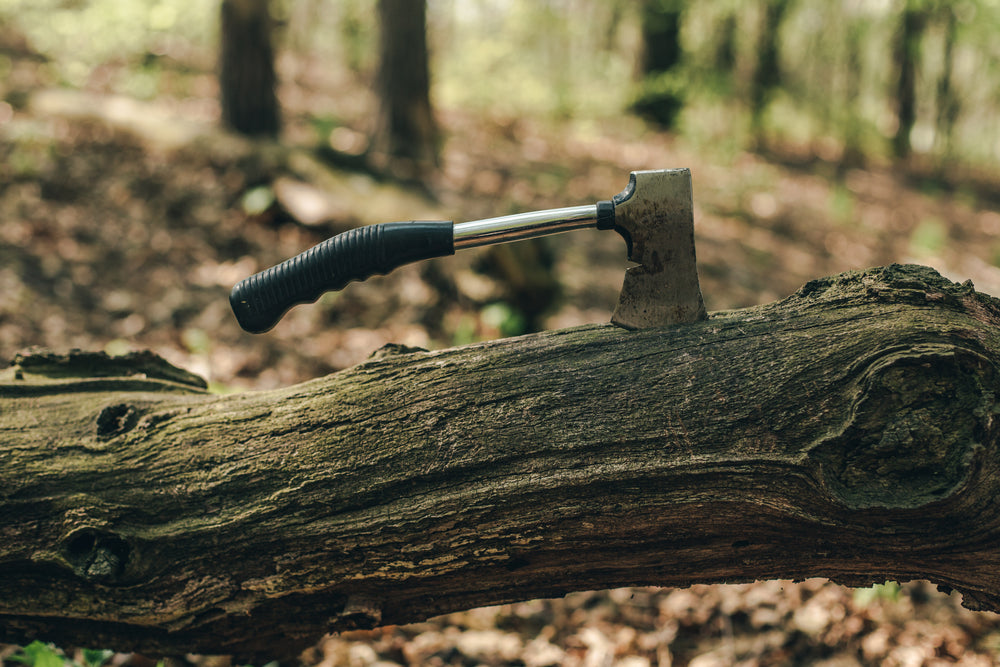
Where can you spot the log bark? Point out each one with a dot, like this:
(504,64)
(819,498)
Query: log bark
(848,432)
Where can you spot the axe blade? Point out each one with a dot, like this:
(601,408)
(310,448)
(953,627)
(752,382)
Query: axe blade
(656,214)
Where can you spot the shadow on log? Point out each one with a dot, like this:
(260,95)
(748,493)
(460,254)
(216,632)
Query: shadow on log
(848,431)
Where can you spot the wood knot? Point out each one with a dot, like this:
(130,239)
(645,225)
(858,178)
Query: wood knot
(96,555)
(919,416)
(116,419)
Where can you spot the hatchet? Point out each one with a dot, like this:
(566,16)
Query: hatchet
(654,214)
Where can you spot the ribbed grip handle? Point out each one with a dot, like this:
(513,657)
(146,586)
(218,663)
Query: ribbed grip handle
(263,298)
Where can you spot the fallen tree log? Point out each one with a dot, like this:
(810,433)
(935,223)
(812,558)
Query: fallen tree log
(848,432)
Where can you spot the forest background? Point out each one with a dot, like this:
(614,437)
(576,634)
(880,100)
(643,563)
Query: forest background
(822,136)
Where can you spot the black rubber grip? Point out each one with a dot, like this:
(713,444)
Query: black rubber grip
(263,298)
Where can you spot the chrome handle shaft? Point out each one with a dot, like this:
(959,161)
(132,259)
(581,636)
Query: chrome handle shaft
(523,226)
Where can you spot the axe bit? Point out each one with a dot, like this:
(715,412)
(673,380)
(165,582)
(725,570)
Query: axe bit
(654,214)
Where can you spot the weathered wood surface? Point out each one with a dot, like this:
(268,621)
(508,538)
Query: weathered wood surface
(848,431)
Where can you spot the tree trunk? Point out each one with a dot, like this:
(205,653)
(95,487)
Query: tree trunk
(661,35)
(725,57)
(767,76)
(246,69)
(853,125)
(948,103)
(405,142)
(661,95)
(848,432)
(907,59)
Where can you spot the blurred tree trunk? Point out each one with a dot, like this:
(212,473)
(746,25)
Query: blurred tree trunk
(612,24)
(853,154)
(405,141)
(906,54)
(661,94)
(767,76)
(724,57)
(246,69)
(948,104)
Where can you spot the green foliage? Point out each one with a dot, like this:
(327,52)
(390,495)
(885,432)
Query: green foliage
(494,320)
(117,347)
(527,58)
(324,124)
(842,205)
(257,200)
(464,331)
(197,341)
(714,129)
(890,591)
(929,237)
(82,34)
(222,388)
(582,59)
(96,657)
(39,654)
(505,318)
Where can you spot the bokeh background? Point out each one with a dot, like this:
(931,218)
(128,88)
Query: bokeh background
(154,153)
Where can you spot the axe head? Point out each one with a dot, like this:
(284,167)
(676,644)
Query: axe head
(655,214)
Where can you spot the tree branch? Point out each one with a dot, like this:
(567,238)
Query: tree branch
(848,431)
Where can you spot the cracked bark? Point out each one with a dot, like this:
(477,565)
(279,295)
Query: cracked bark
(848,432)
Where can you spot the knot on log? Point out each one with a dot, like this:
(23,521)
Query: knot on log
(116,419)
(919,417)
(95,555)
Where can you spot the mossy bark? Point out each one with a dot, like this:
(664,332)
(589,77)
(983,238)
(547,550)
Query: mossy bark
(848,431)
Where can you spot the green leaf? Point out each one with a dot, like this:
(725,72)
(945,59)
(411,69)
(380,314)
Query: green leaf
(96,657)
(502,316)
(38,654)
(257,200)
(890,591)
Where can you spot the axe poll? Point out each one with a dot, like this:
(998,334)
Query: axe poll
(654,214)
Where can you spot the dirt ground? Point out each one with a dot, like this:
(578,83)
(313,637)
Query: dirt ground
(124,225)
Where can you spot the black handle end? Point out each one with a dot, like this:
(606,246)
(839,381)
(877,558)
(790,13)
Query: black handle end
(262,299)
(251,317)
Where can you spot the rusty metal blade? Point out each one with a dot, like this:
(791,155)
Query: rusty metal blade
(656,211)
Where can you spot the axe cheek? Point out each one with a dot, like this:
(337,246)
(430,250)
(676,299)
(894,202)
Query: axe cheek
(657,212)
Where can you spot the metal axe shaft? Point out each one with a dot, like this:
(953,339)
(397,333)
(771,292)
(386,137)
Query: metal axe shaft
(522,226)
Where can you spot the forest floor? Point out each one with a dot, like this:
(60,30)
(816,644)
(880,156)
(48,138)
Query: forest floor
(123,225)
